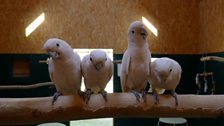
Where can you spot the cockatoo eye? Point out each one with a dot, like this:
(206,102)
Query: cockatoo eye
(132,31)
(91,59)
(170,70)
(57,44)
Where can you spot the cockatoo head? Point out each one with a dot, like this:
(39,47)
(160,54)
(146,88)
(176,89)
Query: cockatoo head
(57,48)
(98,58)
(163,70)
(137,31)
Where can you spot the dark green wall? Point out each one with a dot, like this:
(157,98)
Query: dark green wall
(218,69)
(39,73)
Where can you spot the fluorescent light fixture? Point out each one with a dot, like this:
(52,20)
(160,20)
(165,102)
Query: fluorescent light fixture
(40,19)
(150,26)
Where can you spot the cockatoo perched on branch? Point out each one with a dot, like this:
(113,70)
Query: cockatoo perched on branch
(165,74)
(135,67)
(97,70)
(64,67)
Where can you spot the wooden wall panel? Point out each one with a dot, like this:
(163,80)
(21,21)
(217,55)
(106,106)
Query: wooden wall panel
(83,23)
(184,26)
(212,25)
(178,26)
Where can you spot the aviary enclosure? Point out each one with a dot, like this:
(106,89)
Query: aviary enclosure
(188,31)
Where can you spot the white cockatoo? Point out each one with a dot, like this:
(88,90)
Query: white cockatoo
(136,61)
(97,70)
(165,74)
(64,67)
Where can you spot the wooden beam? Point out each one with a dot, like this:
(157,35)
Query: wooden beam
(212,58)
(39,110)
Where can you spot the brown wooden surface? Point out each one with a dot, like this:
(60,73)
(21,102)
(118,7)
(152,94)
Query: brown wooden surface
(211,25)
(212,58)
(184,26)
(39,110)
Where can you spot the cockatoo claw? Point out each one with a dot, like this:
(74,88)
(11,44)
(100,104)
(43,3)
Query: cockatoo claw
(155,97)
(175,97)
(81,94)
(87,95)
(104,94)
(144,95)
(55,97)
(136,95)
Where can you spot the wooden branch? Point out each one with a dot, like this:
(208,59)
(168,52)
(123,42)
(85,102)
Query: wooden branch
(39,110)
(117,61)
(205,74)
(30,86)
(43,61)
(212,58)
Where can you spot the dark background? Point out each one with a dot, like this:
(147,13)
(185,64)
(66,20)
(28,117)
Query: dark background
(190,64)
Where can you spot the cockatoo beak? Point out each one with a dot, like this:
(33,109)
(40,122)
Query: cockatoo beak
(164,79)
(143,32)
(54,55)
(98,66)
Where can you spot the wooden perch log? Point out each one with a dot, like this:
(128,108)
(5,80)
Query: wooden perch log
(46,61)
(212,58)
(39,110)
